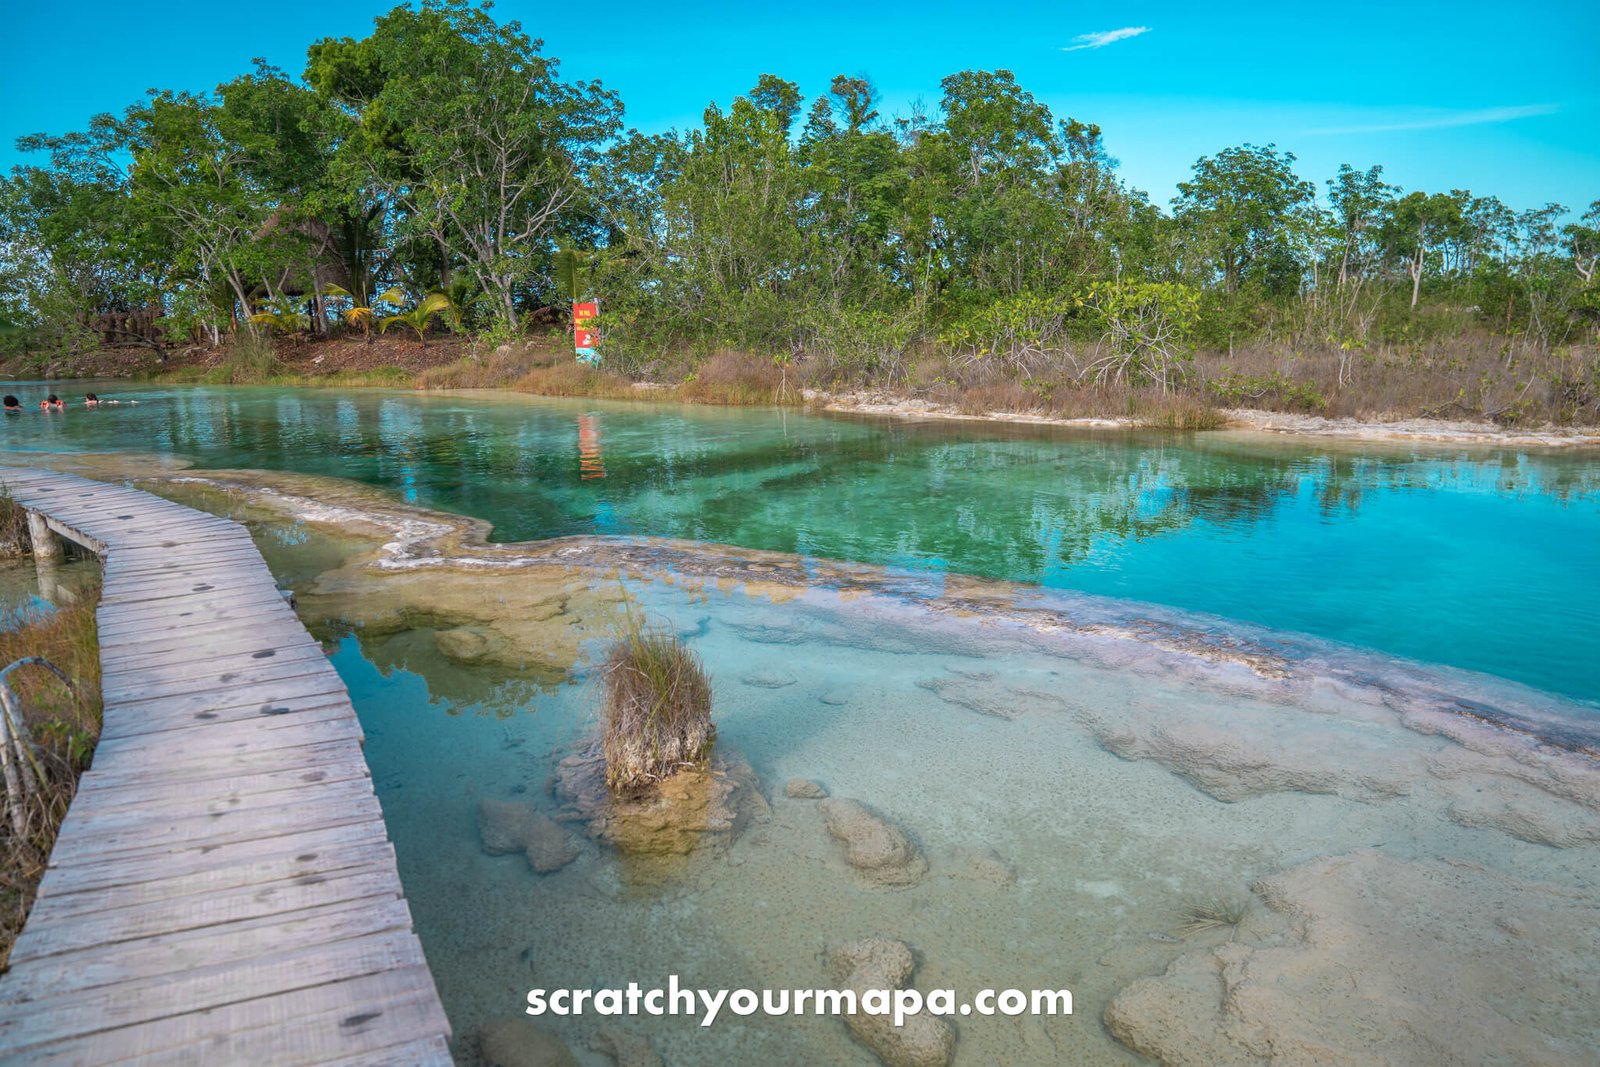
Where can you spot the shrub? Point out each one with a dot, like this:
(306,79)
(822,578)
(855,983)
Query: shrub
(252,359)
(734,379)
(657,716)
(1149,330)
(14,537)
(1277,390)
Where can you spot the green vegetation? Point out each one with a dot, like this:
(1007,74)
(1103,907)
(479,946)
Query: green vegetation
(15,540)
(444,162)
(64,723)
(657,707)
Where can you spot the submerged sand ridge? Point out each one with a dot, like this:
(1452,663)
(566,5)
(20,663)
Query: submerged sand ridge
(1417,846)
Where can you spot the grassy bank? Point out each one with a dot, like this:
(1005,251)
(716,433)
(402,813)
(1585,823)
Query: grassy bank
(1460,373)
(65,725)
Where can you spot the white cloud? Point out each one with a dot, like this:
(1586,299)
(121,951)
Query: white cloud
(1443,120)
(1103,38)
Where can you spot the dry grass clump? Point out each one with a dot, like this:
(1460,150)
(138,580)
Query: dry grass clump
(571,378)
(14,537)
(65,724)
(495,369)
(738,379)
(1213,913)
(657,716)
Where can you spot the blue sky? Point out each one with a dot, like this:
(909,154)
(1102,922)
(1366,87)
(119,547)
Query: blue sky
(1497,98)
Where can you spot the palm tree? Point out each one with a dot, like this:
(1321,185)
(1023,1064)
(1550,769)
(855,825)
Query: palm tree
(418,317)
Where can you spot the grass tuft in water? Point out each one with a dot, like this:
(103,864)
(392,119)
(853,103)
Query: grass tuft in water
(657,716)
(1213,913)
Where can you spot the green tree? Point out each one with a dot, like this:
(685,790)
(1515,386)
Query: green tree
(1419,224)
(1245,215)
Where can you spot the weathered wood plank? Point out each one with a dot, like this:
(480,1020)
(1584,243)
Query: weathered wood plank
(112,927)
(111,794)
(318,1025)
(162,833)
(212,985)
(243,859)
(173,953)
(63,905)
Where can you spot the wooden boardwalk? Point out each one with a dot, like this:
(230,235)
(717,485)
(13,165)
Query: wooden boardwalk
(223,890)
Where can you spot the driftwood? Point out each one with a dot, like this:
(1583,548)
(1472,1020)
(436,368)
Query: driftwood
(24,774)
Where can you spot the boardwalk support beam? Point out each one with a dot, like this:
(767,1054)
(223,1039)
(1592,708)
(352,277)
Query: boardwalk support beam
(46,547)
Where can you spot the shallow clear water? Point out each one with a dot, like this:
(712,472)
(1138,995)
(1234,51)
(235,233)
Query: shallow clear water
(1476,557)
(1105,850)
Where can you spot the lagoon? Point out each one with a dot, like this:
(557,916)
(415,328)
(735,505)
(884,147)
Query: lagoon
(1470,556)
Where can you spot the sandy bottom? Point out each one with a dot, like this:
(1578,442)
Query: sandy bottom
(1069,810)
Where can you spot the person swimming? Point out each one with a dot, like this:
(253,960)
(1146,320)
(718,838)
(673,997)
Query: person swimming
(90,400)
(13,405)
(52,403)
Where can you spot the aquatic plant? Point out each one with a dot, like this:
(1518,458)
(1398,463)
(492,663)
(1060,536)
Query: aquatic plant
(657,716)
(1213,913)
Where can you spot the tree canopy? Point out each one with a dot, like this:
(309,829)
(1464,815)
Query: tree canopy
(445,153)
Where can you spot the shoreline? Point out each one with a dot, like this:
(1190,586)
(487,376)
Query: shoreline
(1287,424)
(876,404)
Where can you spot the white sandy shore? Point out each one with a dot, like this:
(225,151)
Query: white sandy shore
(1440,430)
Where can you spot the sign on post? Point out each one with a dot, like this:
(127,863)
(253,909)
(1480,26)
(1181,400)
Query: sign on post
(583,316)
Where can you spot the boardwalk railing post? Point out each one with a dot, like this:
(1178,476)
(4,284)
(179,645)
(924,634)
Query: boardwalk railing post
(46,548)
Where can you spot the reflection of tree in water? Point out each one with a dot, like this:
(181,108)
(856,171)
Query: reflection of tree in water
(987,500)
(479,688)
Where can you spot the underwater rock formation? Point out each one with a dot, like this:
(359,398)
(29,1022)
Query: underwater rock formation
(697,806)
(463,645)
(1258,750)
(515,1042)
(924,1040)
(1390,961)
(626,1049)
(804,789)
(507,826)
(769,678)
(877,849)
(982,864)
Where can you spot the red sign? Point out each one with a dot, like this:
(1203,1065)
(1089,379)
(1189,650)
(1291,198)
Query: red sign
(582,330)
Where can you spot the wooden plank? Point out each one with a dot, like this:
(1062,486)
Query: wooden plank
(281,632)
(200,773)
(159,834)
(117,870)
(203,620)
(112,793)
(262,594)
(281,646)
(97,818)
(427,1052)
(316,1025)
(263,672)
(63,905)
(163,595)
(218,746)
(189,913)
(146,999)
(243,940)
(264,707)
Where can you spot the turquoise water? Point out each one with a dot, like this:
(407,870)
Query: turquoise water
(1483,558)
